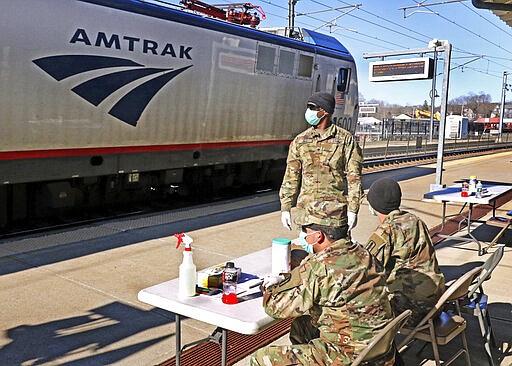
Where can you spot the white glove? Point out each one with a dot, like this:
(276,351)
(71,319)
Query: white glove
(271,280)
(352,220)
(286,219)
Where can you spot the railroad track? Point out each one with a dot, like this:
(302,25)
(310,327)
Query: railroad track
(378,162)
(399,159)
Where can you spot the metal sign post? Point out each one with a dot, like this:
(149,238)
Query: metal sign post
(434,46)
(502,106)
(433,99)
(447,48)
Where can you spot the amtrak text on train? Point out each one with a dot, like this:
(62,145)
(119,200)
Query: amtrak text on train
(131,44)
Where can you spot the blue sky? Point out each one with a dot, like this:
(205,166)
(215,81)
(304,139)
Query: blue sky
(480,40)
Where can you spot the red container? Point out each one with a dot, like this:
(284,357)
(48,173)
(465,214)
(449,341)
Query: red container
(465,190)
(229,298)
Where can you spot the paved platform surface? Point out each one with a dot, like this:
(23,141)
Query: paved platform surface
(70,298)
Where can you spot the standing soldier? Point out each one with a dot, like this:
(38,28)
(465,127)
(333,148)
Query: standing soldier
(338,297)
(403,245)
(319,160)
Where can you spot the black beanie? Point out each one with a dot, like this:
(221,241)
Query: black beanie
(384,195)
(324,101)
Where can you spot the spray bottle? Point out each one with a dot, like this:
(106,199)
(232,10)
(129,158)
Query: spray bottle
(187,276)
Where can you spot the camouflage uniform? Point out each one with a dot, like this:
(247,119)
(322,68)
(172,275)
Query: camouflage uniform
(342,289)
(318,161)
(403,245)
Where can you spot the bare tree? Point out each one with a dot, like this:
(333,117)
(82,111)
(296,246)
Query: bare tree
(481,104)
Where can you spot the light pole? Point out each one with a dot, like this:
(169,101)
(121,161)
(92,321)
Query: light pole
(446,47)
(502,107)
(433,98)
(291,17)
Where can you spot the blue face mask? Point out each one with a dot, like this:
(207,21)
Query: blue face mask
(311,117)
(372,211)
(305,245)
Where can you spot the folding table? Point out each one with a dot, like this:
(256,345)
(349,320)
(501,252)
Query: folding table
(246,317)
(452,194)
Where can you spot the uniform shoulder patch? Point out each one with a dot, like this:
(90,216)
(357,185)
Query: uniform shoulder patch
(374,243)
(291,281)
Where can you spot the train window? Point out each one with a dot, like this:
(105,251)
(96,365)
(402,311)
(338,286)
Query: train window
(266,57)
(318,84)
(286,62)
(305,66)
(343,80)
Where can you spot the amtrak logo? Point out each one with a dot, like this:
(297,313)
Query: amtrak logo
(129,108)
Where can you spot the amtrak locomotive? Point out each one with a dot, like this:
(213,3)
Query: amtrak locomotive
(106,101)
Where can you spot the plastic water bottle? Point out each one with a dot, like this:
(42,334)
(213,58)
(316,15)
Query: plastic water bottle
(479,189)
(472,185)
(229,280)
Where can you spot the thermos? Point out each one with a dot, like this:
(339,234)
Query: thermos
(280,256)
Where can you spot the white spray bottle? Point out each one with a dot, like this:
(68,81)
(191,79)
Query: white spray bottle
(188,274)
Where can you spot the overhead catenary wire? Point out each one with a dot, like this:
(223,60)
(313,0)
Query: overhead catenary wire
(488,58)
(406,33)
(470,31)
(401,33)
(410,31)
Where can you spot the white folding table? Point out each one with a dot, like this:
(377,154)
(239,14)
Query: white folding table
(452,194)
(246,317)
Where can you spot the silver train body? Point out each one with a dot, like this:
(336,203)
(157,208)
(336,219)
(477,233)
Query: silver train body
(105,99)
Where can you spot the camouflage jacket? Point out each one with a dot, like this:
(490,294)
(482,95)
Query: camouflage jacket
(317,164)
(403,244)
(342,288)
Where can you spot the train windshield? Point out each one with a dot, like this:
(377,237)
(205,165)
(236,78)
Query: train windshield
(323,40)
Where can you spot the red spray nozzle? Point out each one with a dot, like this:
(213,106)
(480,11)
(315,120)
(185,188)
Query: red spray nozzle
(184,239)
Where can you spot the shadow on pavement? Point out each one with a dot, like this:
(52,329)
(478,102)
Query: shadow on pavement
(84,340)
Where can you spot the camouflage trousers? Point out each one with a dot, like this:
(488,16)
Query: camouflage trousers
(306,349)
(400,303)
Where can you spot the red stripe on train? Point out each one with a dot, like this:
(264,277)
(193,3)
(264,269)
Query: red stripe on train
(39,154)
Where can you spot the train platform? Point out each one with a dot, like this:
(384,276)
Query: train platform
(69,297)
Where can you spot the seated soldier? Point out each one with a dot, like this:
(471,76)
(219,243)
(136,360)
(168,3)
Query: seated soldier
(337,295)
(403,245)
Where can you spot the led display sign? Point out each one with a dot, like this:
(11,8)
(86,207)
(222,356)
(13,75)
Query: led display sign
(406,69)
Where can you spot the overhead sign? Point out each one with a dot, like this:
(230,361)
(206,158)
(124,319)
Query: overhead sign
(406,69)
(367,109)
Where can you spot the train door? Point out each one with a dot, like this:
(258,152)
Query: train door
(344,89)
(338,77)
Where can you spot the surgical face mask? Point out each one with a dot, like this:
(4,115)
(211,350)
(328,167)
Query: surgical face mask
(372,211)
(305,245)
(311,117)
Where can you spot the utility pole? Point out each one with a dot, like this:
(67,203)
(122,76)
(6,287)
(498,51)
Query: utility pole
(433,99)
(502,107)
(291,17)
(447,48)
